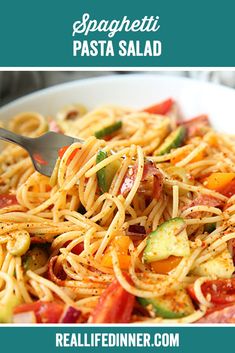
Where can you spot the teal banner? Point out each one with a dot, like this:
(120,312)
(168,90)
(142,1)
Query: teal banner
(124,33)
(116,339)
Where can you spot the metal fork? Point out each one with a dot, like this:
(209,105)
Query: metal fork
(42,150)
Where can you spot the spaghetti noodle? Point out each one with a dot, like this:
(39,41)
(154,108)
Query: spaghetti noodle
(90,237)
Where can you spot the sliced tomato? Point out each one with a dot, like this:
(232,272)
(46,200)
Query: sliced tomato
(150,174)
(38,240)
(196,126)
(62,151)
(115,305)
(229,190)
(161,108)
(222,291)
(45,312)
(78,248)
(7,200)
(191,292)
(231,247)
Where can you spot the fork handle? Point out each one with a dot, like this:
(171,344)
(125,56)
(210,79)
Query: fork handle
(10,136)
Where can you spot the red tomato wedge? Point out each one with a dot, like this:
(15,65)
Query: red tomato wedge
(229,190)
(222,291)
(62,151)
(150,173)
(115,305)
(45,312)
(231,247)
(161,108)
(77,249)
(196,125)
(7,200)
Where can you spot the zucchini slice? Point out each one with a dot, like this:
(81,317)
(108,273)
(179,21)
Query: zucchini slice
(220,266)
(173,305)
(106,174)
(108,130)
(209,227)
(35,258)
(170,238)
(174,140)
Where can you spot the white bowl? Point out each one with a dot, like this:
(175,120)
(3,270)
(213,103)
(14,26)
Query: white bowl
(135,90)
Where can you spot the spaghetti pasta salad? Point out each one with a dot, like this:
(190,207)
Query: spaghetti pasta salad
(135,225)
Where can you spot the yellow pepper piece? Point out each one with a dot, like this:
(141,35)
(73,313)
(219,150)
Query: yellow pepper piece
(165,266)
(217,181)
(178,158)
(121,244)
(19,244)
(211,139)
(124,261)
(198,157)
(181,156)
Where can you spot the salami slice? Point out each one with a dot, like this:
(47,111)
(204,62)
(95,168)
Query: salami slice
(222,316)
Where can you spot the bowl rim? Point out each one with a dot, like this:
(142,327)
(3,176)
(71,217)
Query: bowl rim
(93,80)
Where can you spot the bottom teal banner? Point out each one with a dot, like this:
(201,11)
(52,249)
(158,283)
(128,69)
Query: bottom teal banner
(116,339)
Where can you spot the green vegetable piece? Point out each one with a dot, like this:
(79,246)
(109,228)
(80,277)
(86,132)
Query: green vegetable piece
(220,266)
(6,309)
(35,258)
(108,130)
(106,174)
(173,305)
(209,227)
(174,140)
(170,238)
